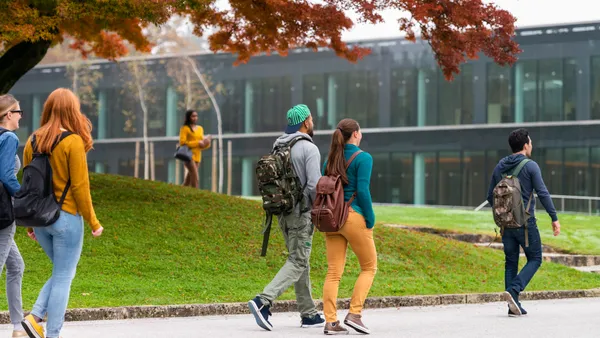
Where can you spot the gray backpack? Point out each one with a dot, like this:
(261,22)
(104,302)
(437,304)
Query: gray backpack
(508,208)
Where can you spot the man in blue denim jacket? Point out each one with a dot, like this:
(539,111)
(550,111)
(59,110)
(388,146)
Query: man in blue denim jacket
(530,178)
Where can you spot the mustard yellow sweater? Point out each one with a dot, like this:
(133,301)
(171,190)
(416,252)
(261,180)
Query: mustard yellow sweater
(69,159)
(192,140)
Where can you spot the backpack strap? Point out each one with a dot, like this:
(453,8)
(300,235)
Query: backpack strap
(352,158)
(68,185)
(266,234)
(293,141)
(348,166)
(301,197)
(527,220)
(63,135)
(519,167)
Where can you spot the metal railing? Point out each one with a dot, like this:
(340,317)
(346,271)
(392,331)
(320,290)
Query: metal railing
(562,199)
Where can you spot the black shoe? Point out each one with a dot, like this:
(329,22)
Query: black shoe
(261,313)
(512,298)
(314,321)
(523,312)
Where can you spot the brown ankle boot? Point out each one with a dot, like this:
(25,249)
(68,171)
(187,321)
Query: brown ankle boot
(334,328)
(355,322)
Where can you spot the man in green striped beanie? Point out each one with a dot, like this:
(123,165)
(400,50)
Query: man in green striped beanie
(298,118)
(296,227)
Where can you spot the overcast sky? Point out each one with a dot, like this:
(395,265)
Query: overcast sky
(527,12)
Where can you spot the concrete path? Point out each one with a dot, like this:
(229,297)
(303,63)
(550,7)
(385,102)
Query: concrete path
(554,318)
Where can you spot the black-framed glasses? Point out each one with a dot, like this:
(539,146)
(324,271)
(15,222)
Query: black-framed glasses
(17,112)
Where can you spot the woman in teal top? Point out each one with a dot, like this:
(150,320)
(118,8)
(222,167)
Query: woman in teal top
(357,231)
(359,181)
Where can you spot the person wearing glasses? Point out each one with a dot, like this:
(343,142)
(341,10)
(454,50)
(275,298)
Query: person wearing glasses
(10,114)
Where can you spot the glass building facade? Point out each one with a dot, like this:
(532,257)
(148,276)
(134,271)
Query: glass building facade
(433,141)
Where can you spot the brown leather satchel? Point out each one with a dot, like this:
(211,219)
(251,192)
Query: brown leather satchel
(329,211)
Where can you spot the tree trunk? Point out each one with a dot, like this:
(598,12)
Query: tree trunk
(188,93)
(145,122)
(75,79)
(18,60)
(219,122)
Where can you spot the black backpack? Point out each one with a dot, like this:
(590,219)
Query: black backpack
(35,202)
(7,215)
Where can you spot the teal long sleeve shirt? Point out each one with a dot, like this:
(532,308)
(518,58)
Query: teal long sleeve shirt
(359,181)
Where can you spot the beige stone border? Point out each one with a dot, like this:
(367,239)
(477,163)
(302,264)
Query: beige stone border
(194,310)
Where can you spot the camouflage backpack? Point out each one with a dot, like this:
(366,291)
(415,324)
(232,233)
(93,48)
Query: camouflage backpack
(508,208)
(278,184)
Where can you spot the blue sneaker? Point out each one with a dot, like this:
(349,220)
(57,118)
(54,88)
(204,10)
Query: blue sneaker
(261,313)
(314,321)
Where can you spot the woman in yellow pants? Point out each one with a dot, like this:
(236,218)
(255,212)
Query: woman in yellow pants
(357,231)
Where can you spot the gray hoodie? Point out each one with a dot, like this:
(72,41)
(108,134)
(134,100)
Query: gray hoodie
(306,160)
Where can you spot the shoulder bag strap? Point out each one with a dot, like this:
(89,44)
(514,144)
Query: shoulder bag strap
(68,185)
(352,158)
(348,166)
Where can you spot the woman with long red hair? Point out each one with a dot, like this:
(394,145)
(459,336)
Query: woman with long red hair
(65,134)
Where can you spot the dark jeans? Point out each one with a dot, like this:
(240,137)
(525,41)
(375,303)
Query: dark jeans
(513,240)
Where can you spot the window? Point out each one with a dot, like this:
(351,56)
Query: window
(570,74)
(499,94)
(455,104)
(205,170)
(474,184)
(89,108)
(122,109)
(577,177)
(526,91)
(431,196)
(271,99)
(403,86)
(491,160)
(356,96)
(550,161)
(380,177)
(467,94)
(315,91)
(402,178)
(156,97)
(550,90)
(430,95)
(545,90)
(594,182)
(232,106)
(449,178)
(595,95)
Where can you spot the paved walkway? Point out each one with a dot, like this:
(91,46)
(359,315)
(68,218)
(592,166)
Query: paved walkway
(560,318)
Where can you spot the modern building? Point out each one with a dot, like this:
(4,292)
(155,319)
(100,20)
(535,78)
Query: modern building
(433,141)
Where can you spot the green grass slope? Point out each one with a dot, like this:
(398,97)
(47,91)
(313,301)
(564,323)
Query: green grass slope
(580,234)
(164,244)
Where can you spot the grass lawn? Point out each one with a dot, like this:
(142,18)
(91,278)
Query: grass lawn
(579,234)
(170,245)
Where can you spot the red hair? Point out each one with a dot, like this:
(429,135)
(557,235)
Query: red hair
(62,110)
